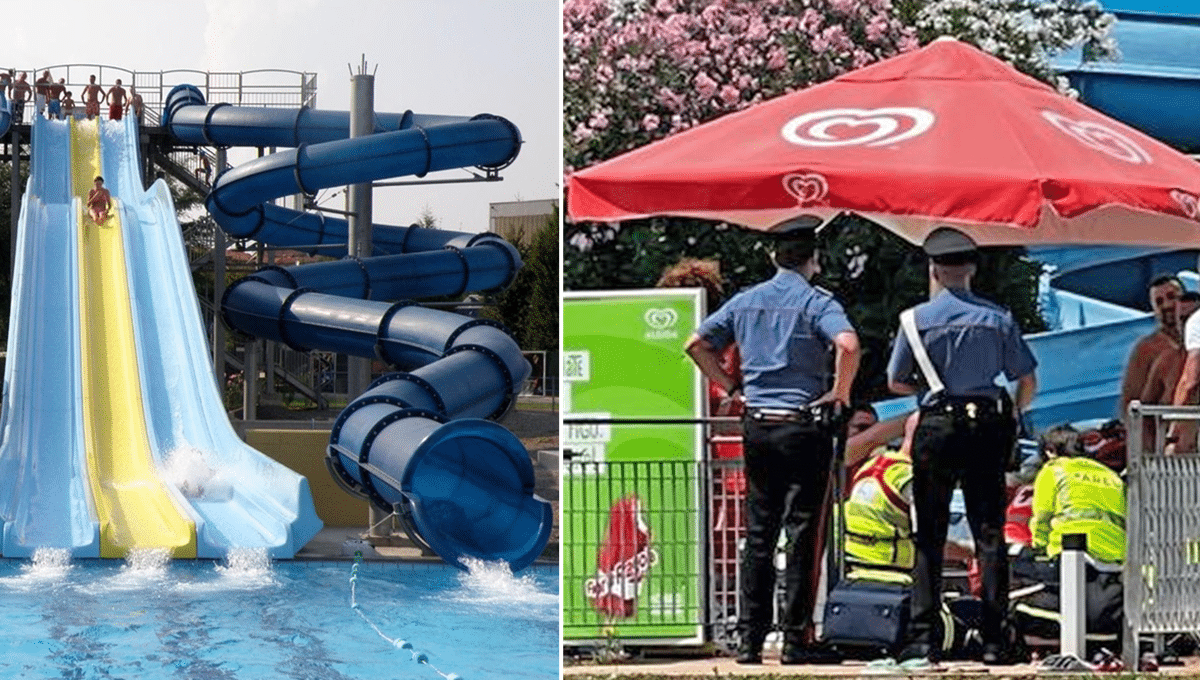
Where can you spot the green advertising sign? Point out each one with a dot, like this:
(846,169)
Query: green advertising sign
(631,512)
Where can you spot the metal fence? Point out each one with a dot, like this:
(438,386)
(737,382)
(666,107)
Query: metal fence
(1162,564)
(261,87)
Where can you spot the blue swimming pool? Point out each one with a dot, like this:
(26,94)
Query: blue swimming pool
(247,618)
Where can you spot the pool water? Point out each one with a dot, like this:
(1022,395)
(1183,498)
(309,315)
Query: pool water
(248,618)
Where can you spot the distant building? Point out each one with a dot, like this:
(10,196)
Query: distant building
(519,220)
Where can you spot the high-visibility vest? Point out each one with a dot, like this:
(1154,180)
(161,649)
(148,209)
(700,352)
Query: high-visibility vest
(878,524)
(1073,495)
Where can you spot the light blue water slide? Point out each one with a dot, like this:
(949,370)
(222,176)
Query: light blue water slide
(417,442)
(45,500)
(5,115)
(238,496)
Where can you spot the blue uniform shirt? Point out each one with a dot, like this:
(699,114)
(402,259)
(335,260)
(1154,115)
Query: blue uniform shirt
(969,340)
(784,328)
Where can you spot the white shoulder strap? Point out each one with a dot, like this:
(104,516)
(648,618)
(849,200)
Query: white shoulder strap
(908,322)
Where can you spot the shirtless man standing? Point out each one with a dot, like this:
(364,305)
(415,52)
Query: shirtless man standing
(42,92)
(135,103)
(54,105)
(1165,292)
(116,101)
(98,201)
(91,98)
(20,92)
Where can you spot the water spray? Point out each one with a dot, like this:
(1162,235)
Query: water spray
(417,655)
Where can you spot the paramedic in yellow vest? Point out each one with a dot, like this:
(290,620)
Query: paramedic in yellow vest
(1074,494)
(879,545)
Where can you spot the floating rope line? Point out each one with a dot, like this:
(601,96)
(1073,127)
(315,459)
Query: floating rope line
(417,655)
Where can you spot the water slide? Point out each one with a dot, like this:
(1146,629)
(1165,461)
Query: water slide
(420,441)
(114,435)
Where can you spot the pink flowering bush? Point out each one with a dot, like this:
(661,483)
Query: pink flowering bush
(635,72)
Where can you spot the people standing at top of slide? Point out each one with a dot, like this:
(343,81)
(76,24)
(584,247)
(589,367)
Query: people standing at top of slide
(20,93)
(116,101)
(91,98)
(42,92)
(99,201)
(54,104)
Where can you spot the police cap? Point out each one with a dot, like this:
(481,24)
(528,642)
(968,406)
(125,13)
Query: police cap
(946,245)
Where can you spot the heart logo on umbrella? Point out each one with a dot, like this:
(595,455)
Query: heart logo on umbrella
(1099,137)
(807,187)
(1188,202)
(866,127)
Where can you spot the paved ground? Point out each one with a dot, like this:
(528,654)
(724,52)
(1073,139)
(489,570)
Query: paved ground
(726,667)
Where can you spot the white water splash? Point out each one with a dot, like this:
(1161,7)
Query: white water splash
(189,470)
(494,583)
(47,565)
(243,569)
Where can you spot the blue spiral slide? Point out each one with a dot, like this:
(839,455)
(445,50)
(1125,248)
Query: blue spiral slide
(419,441)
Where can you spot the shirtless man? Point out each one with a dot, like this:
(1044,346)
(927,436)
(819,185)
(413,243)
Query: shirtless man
(98,201)
(20,92)
(135,103)
(1165,292)
(116,101)
(42,92)
(1165,372)
(54,105)
(91,98)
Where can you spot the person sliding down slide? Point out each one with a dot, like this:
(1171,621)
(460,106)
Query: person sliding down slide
(99,201)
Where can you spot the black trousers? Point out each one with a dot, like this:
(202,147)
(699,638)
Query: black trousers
(787,470)
(950,450)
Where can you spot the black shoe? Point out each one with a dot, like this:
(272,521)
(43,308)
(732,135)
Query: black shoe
(749,651)
(749,655)
(797,655)
(993,655)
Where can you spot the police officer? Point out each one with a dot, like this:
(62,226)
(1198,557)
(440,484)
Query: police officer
(784,329)
(965,435)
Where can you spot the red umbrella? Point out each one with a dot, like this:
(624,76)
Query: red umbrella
(942,135)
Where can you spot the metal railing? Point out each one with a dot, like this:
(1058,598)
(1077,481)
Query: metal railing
(1162,562)
(261,87)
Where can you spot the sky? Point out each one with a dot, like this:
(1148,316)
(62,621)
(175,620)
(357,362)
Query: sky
(458,57)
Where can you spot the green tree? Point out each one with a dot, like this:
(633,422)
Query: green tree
(529,307)
(426,220)
(6,244)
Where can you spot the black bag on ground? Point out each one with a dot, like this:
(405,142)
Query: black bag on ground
(867,615)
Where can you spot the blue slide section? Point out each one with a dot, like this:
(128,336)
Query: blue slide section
(416,442)
(45,500)
(5,115)
(239,497)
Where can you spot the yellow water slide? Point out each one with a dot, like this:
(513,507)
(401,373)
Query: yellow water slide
(134,506)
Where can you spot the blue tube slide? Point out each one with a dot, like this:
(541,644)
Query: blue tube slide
(238,497)
(416,442)
(45,499)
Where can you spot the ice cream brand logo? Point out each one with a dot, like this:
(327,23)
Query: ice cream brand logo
(661,323)
(806,188)
(1099,137)
(623,561)
(1189,203)
(858,127)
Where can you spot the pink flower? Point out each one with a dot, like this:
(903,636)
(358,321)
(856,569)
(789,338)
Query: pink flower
(651,122)
(705,85)
(776,58)
(877,27)
(730,95)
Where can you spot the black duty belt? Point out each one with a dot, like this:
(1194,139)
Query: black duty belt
(970,408)
(780,415)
